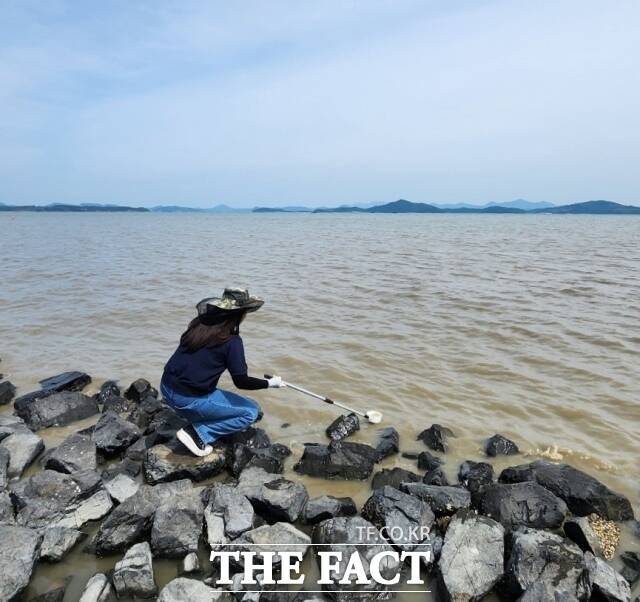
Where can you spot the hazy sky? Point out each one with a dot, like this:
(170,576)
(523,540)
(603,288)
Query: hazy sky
(323,102)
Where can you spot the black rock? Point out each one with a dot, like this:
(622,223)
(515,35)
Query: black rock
(145,411)
(393,477)
(606,583)
(120,405)
(545,561)
(7,392)
(280,500)
(127,466)
(404,519)
(20,442)
(113,434)
(233,507)
(133,575)
(108,390)
(139,390)
(270,458)
(251,437)
(165,424)
(444,501)
(53,595)
(18,555)
(472,558)
(58,409)
(435,437)
(522,505)
(171,461)
(474,475)
(177,525)
(326,506)
(343,426)
(4,468)
(580,531)
(76,452)
(500,446)
(427,461)
(389,443)
(7,511)
(582,493)
(631,569)
(410,455)
(338,460)
(67,381)
(435,477)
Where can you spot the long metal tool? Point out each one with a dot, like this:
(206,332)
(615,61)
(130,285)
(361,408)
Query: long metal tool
(372,416)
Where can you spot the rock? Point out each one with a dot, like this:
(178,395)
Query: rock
(50,498)
(605,581)
(407,519)
(388,444)
(182,589)
(7,511)
(471,561)
(631,568)
(177,525)
(108,390)
(435,477)
(270,458)
(443,500)
(138,450)
(325,507)
(252,479)
(475,475)
(354,535)
(53,595)
(121,487)
(57,542)
(393,477)
(262,539)
(435,437)
(4,468)
(7,392)
(251,437)
(581,492)
(171,461)
(427,461)
(139,390)
(539,557)
(23,445)
(145,410)
(214,523)
(579,530)
(76,452)
(58,409)
(113,434)
(343,426)
(190,564)
(131,521)
(98,589)
(133,575)
(67,381)
(522,505)
(500,446)
(338,460)
(280,500)
(18,555)
(235,509)
(127,466)
(119,405)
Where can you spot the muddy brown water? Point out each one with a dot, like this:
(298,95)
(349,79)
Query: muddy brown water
(523,325)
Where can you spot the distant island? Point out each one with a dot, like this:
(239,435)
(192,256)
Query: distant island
(519,206)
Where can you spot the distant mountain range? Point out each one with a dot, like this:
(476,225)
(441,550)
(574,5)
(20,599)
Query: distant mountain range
(67,208)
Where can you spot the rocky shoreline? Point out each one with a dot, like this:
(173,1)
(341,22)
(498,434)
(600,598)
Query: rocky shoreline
(538,531)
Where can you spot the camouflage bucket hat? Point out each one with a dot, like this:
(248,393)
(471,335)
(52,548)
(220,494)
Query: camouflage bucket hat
(234,301)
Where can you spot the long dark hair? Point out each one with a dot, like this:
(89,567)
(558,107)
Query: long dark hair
(199,335)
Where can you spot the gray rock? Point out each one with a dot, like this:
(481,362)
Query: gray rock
(405,520)
(471,561)
(183,589)
(18,555)
(522,505)
(443,501)
(580,531)
(92,509)
(190,564)
(121,487)
(582,493)
(270,458)
(214,522)
(388,444)
(4,468)
(427,461)
(235,509)
(251,480)
(98,589)
(262,539)
(126,466)
(23,445)
(139,390)
(113,434)
(355,535)
(57,542)
(76,452)
(338,460)
(7,392)
(546,558)
(58,409)
(435,437)
(343,426)
(177,525)
(500,446)
(393,477)
(631,568)
(326,506)
(131,521)
(171,461)
(133,575)
(67,381)
(280,500)
(605,581)
(7,511)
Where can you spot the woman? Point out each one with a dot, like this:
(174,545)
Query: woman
(210,345)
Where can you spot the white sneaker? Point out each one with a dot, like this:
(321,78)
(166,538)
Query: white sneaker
(191,440)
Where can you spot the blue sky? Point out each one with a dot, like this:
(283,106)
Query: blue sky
(319,103)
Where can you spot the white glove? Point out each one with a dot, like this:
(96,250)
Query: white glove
(275,381)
